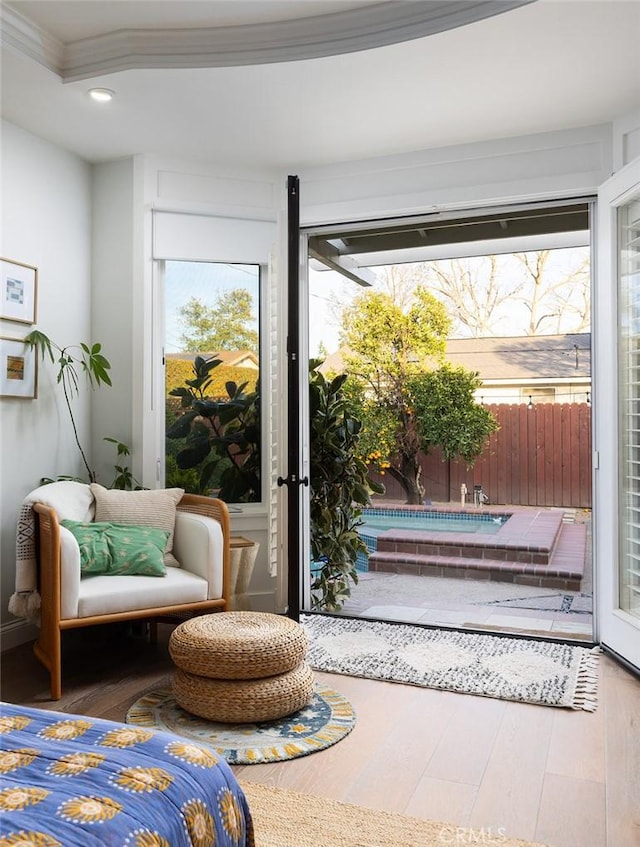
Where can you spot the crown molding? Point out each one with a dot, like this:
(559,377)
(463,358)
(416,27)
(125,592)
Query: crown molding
(20,34)
(331,34)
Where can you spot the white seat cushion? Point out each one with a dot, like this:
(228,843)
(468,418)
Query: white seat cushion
(106,595)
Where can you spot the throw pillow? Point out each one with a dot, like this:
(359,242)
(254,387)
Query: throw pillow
(115,549)
(156,508)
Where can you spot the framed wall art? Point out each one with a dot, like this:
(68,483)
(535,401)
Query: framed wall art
(18,369)
(19,292)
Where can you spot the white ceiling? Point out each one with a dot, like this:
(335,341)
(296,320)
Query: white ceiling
(548,65)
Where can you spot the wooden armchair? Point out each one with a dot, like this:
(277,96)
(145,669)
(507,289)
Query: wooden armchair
(200,584)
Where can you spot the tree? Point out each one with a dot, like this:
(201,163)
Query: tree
(553,301)
(540,292)
(448,415)
(225,326)
(399,281)
(476,288)
(340,487)
(407,397)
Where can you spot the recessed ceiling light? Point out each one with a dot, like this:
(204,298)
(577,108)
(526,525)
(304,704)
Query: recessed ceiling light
(101,95)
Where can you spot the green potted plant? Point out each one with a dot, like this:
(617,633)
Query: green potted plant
(340,487)
(74,361)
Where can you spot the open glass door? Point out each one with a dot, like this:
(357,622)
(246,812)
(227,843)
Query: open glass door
(618,435)
(503,296)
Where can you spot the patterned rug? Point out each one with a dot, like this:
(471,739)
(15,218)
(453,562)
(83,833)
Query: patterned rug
(325,721)
(545,673)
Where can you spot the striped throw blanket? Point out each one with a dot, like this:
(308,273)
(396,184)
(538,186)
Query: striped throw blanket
(72,501)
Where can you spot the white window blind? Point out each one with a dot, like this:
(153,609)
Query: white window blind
(204,238)
(629,392)
(276,500)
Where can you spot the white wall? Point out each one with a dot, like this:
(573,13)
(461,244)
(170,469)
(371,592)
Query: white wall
(560,164)
(626,139)
(199,211)
(46,222)
(112,300)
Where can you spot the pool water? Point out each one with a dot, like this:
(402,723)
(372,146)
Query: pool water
(434,522)
(377,521)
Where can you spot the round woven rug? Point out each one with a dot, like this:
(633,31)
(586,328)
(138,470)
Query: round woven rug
(325,721)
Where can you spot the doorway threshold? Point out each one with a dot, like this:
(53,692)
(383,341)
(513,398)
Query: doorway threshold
(473,604)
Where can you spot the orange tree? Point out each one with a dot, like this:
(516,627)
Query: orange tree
(408,398)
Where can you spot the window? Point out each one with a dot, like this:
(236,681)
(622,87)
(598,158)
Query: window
(212,379)
(538,395)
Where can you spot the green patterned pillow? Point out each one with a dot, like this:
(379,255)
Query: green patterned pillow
(116,549)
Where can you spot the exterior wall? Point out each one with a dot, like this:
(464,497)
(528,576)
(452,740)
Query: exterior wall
(46,222)
(547,392)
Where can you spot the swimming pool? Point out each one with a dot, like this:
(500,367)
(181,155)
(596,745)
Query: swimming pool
(377,521)
(381,520)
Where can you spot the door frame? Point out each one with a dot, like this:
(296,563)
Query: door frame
(615,629)
(456,215)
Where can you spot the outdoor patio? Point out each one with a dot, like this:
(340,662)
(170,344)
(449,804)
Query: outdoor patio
(460,600)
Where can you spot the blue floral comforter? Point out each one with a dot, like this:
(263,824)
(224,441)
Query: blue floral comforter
(68,780)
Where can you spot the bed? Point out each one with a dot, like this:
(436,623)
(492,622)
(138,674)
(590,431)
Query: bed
(68,780)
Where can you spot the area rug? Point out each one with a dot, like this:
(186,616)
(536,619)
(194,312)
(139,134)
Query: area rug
(284,818)
(541,672)
(325,721)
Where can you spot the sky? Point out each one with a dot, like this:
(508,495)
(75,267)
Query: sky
(205,281)
(328,288)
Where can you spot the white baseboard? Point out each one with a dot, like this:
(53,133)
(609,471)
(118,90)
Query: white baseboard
(16,632)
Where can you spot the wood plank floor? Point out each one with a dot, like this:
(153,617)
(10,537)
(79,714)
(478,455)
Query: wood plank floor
(564,778)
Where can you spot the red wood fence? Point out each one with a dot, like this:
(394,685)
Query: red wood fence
(540,456)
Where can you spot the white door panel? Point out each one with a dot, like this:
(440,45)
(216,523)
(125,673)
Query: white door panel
(617,414)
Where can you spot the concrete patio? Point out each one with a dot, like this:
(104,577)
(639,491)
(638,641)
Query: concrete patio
(461,598)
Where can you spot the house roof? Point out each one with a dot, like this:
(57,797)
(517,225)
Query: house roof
(524,357)
(512,359)
(232,358)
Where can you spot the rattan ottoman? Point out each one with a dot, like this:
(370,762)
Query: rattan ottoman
(240,667)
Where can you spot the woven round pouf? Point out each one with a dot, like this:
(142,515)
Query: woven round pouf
(238,645)
(240,667)
(244,701)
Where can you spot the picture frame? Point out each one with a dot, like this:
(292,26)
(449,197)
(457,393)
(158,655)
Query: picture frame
(18,291)
(18,369)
